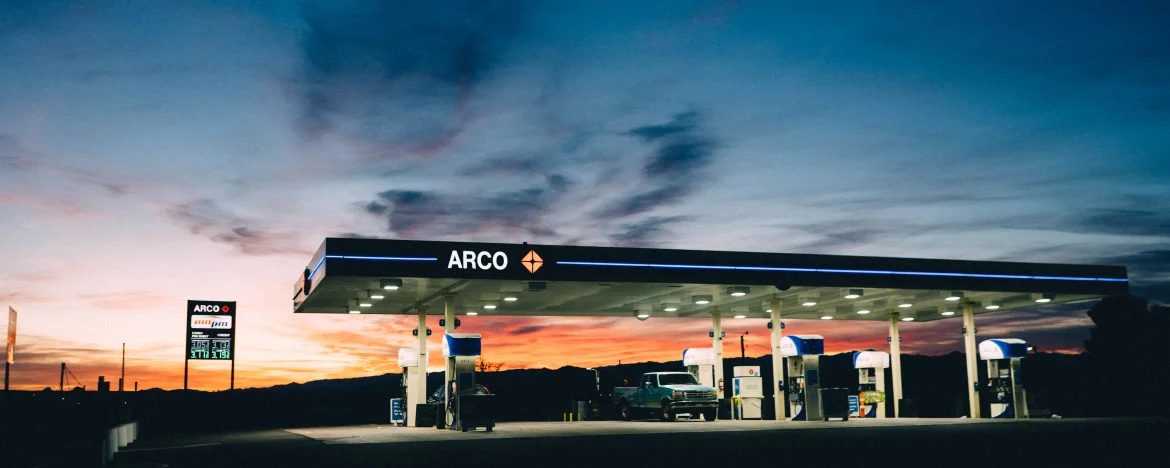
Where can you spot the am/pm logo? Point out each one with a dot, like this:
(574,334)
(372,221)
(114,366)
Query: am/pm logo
(221,322)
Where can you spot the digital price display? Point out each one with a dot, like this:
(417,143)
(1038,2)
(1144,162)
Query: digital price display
(211,329)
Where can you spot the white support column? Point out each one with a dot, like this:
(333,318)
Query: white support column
(896,361)
(419,386)
(449,364)
(972,359)
(717,345)
(777,360)
(880,377)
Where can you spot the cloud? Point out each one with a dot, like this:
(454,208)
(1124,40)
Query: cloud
(681,123)
(22,297)
(399,72)
(206,218)
(17,156)
(126,300)
(527,330)
(55,207)
(414,213)
(837,235)
(682,151)
(1130,222)
(644,233)
(1149,272)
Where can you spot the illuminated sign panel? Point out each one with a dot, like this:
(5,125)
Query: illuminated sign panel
(211,329)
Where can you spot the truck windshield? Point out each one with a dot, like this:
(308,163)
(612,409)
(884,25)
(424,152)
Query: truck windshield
(676,379)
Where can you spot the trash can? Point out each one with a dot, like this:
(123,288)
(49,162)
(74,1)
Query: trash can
(835,403)
(907,408)
(424,415)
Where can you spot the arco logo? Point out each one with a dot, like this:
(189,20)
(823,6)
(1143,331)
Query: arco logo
(532,261)
(471,260)
(211,309)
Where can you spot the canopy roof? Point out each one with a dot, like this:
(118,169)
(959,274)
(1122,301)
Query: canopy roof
(552,280)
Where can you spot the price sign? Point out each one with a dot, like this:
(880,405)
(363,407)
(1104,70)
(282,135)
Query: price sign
(211,329)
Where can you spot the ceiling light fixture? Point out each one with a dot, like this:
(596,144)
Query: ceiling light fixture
(511,297)
(807,301)
(905,303)
(377,295)
(738,291)
(391,284)
(740,316)
(852,293)
(1043,298)
(825,315)
(489,305)
(947,313)
(954,296)
(704,299)
(993,305)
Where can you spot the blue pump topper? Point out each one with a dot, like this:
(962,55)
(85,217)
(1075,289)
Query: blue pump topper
(461,344)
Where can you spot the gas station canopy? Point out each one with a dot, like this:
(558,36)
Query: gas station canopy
(379,276)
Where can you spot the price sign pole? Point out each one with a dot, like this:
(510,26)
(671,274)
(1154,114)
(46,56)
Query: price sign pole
(211,330)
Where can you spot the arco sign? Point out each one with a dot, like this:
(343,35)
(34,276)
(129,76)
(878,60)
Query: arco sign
(472,260)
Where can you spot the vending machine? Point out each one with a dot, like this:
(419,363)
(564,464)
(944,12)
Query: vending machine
(748,386)
(1005,384)
(803,353)
(700,362)
(871,380)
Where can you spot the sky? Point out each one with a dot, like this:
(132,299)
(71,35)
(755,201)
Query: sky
(154,152)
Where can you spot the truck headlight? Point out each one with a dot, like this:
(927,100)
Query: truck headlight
(676,394)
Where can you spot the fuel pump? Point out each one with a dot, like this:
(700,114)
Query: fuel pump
(748,388)
(700,362)
(871,380)
(465,408)
(1005,387)
(408,361)
(802,353)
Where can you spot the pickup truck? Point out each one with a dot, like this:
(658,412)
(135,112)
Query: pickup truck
(667,394)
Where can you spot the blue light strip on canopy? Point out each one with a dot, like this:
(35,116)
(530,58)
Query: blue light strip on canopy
(835,271)
(355,257)
(388,259)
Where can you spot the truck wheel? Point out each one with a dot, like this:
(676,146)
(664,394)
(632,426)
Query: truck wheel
(709,415)
(624,410)
(667,413)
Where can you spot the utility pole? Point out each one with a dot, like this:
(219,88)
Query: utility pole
(741,351)
(61,385)
(122,379)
